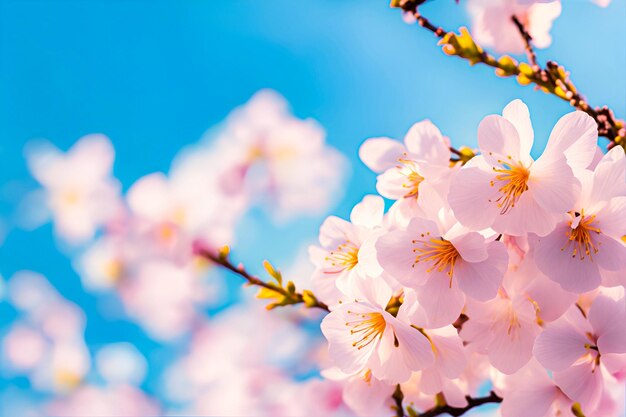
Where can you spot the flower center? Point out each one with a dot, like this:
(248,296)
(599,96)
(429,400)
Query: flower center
(413,178)
(512,178)
(440,252)
(366,327)
(345,257)
(579,236)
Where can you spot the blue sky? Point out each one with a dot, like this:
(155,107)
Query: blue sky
(155,75)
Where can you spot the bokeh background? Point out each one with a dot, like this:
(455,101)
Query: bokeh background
(155,75)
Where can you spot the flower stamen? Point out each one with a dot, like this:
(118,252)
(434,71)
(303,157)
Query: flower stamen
(439,251)
(580,236)
(513,178)
(344,258)
(367,327)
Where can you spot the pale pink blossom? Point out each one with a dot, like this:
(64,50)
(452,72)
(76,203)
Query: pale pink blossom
(505,189)
(346,255)
(80,191)
(588,240)
(362,335)
(362,392)
(120,400)
(163,297)
(530,392)
(281,161)
(419,166)
(443,264)
(583,348)
(492,25)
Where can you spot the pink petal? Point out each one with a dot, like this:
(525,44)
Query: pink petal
(471,195)
(415,347)
(380,154)
(559,345)
(609,179)
(526,217)
(582,383)
(517,113)
(335,231)
(554,258)
(450,355)
(575,135)
(498,140)
(150,197)
(553,185)
(607,317)
(369,212)
(481,280)
(340,341)
(425,140)
(512,343)
(471,246)
(441,303)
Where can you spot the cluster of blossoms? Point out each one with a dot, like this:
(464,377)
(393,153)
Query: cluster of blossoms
(137,251)
(46,345)
(140,246)
(503,269)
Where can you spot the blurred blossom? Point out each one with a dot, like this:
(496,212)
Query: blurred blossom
(121,363)
(161,297)
(46,342)
(120,400)
(202,382)
(280,161)
(492,25)
(80,193)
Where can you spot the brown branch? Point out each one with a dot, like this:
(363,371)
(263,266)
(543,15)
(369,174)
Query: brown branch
(398,397)
(532,57)
(290,297)
(552,79)
(459,411)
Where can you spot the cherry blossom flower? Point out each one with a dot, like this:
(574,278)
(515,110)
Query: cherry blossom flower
(281,161)
(582,347)
(347,253)
(505,189)
(119,400)
(80,192)
(588,240)
(362,335)
(417,167)
(442,264)
(530,392)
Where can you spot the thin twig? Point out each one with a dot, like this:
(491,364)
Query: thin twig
(459,411)
(552,79)
(532,57)
(222,261)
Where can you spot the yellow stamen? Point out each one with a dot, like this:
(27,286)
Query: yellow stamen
(439,251)
(344,258)
(413,178)
(367,327)
(580,237)
(513,181)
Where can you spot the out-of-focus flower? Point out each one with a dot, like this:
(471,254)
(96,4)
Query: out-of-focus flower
(281,161)
(80,192)
(46,344)
(492,25)
(119,400)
